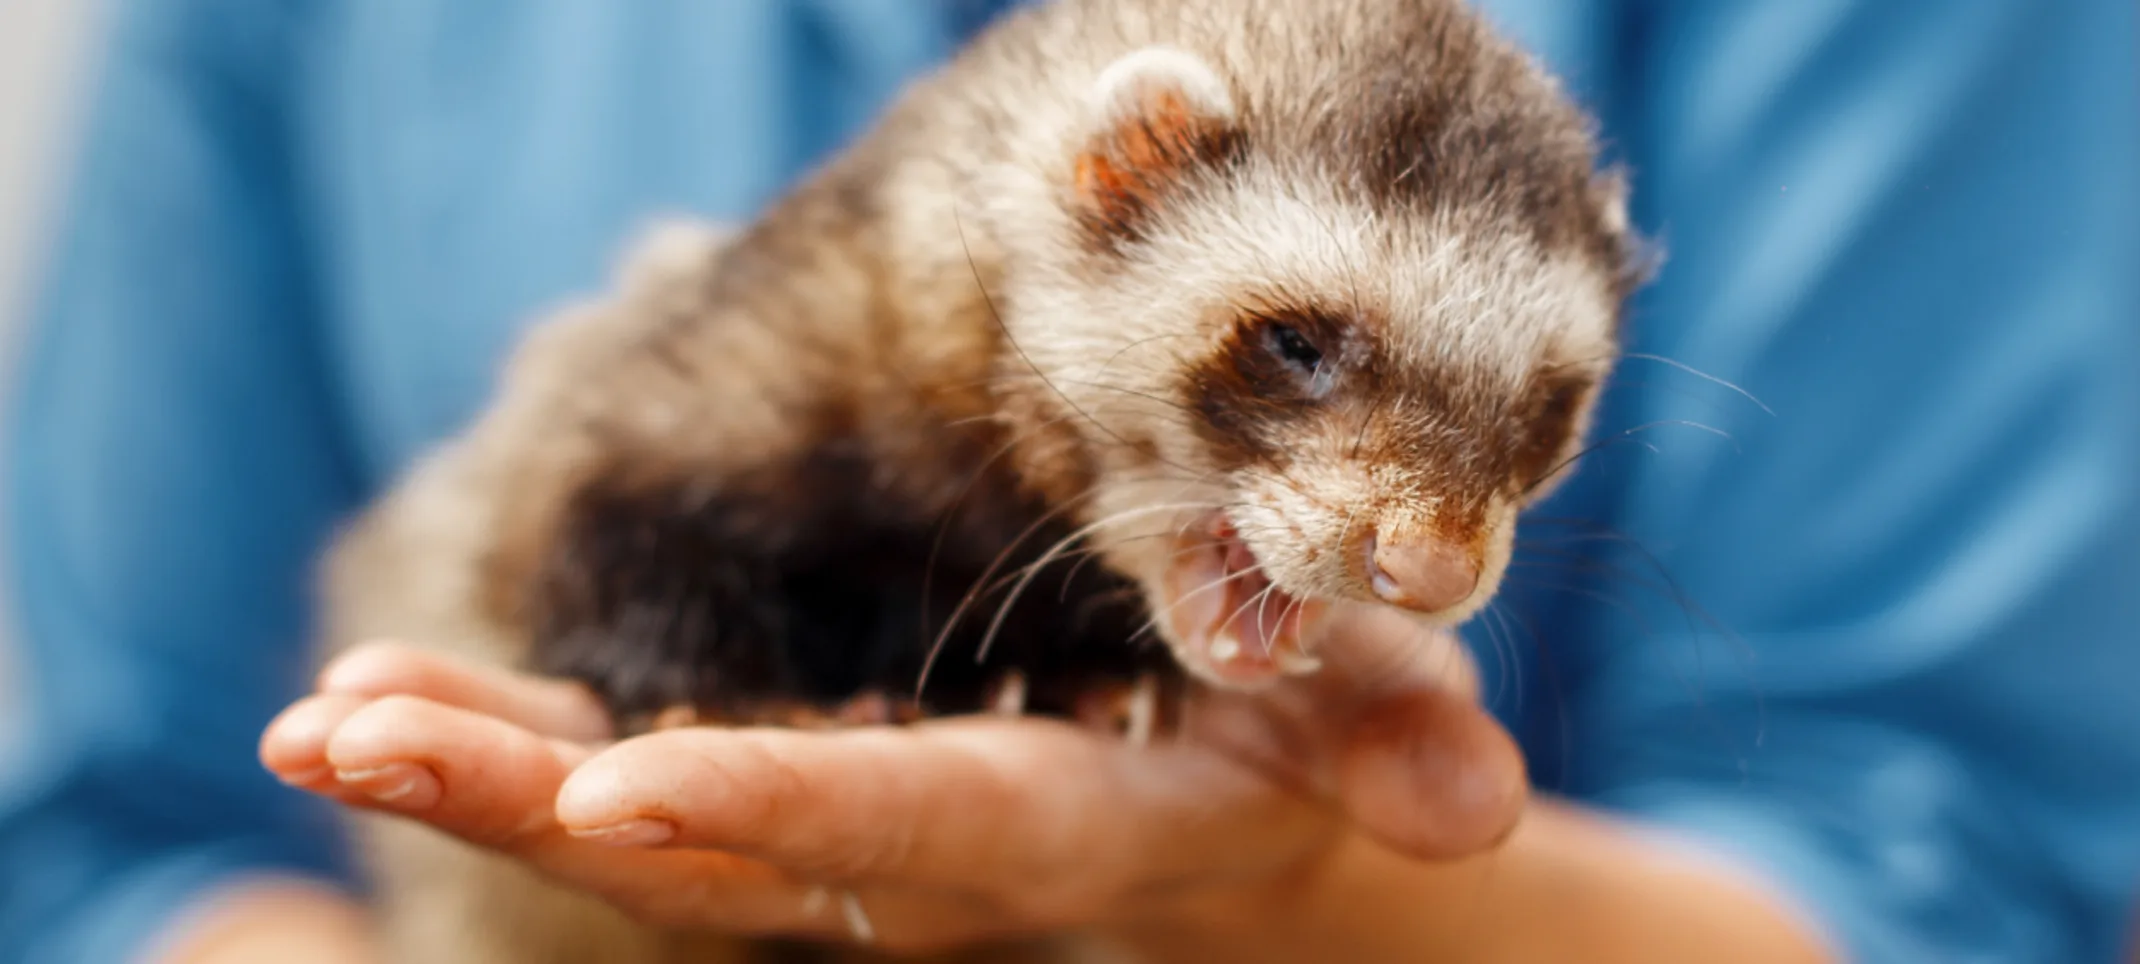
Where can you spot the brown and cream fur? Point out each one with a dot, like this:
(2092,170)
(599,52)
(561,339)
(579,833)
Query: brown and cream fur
(1039,293)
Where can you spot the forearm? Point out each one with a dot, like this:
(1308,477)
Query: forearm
(1567,885)
(271,922)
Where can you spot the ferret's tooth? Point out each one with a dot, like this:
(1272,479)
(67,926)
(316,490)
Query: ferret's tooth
(1225,648)
(1010,694)
(815,900)
(1293,662)
(1143,710)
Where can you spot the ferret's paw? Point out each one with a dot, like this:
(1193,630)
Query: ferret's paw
(676,717)
(872,708)
(1008,696)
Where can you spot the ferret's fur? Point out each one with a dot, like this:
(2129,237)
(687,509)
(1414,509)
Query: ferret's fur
(1031,309)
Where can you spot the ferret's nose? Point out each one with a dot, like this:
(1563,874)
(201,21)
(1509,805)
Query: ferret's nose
(1421,572)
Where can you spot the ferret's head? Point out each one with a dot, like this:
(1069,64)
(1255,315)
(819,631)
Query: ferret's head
(1324,320)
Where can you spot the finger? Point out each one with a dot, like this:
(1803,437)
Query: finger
(826,804)
(550,707)
(1298,730)
(1431,774)
(474,776)
(1371,648)
(1414,759)
(494,784)
(1043,817)
(1390,729)
(294,745)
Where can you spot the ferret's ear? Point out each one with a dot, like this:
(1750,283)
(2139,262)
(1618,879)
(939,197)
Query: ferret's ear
(1154,117)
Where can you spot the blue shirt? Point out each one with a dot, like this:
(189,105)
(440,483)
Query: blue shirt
(1871,634)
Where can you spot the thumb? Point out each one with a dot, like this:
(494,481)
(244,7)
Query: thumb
(1415,760)
(1430,774)
(1369,649)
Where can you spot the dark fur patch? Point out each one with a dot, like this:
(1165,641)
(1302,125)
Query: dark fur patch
(1248,393)
(1461,121)
(1549,424)
(1467,440)
(807,584)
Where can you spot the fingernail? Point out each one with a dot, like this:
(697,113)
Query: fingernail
(306,778)
(631,833)
(404,785)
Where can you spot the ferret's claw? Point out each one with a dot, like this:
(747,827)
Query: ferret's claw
(1293,662)
(868,709)
(851,912)
(676,717)
(857,920)
(1010,695)
(1136,712)
(1143,711)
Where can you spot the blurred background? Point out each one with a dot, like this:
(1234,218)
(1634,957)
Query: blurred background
(523,247)
(44,53)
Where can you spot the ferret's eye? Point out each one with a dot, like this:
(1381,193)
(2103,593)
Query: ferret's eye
(1296,349)
(1292,356)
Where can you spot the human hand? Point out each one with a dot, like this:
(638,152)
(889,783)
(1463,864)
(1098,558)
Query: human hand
(946,832)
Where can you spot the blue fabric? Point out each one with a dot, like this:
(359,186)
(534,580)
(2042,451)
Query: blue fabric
(1877,642)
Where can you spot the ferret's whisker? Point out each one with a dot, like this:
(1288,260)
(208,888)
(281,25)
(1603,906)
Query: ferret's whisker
(989,301)
(1263,610)
(1704,376)
(1095,552)
(1111,359)
(1084,551)
(1585,452)
(966,601)
(943,528)
(1151,623)
(1236,614)
(1003,611)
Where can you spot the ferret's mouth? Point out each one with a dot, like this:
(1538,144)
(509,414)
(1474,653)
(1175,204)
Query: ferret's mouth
(1231,625)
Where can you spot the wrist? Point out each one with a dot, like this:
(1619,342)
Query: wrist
(1311,910)
(1611,896)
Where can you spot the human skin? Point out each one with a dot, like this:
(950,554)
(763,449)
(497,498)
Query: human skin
(1371,812)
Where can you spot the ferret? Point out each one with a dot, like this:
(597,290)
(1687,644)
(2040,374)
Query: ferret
(1120,344)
